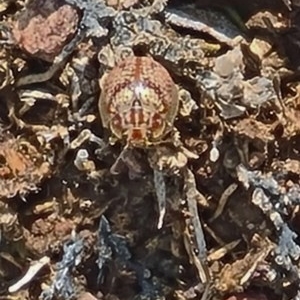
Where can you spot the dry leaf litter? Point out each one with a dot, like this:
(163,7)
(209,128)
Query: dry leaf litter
(149,150)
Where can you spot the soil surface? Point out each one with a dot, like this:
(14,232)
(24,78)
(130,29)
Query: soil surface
(149,149)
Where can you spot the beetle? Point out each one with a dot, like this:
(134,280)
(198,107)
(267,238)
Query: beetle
(139,101)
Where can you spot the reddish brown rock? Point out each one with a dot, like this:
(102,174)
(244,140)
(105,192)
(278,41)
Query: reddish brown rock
(45,27)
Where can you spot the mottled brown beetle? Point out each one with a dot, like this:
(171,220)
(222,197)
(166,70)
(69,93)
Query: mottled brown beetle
(139,101)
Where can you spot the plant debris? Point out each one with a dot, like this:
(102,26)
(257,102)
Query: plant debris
(149,150)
